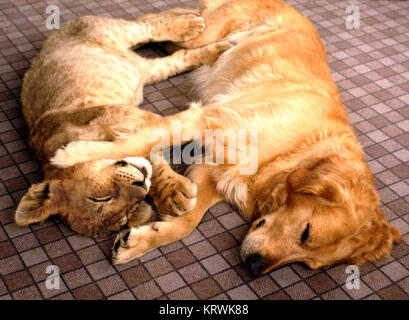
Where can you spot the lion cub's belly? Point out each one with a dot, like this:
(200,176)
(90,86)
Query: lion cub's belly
(106,79)
(83,76)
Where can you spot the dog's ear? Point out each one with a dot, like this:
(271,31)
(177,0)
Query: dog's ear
(271,199)
(305,178)
(374,240)
(38,203)
(320,177)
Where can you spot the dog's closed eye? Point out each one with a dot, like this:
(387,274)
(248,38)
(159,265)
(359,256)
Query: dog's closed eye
(306,233)
(260,223)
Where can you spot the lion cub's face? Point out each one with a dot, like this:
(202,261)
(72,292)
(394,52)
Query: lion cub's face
(93,198)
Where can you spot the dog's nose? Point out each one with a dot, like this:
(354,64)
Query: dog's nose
(254,264)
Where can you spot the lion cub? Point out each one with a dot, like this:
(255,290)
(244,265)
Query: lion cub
(86,84)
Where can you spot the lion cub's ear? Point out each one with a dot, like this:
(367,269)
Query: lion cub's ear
(38,203)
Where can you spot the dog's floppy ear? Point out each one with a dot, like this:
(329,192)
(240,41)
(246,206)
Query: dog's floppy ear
(271,199)
(316,177)
(375,240)
(38,203)
(319,178)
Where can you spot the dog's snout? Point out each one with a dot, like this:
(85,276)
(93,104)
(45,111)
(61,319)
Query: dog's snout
(254,264)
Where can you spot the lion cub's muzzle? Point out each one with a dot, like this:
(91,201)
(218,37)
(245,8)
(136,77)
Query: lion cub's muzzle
(134,172)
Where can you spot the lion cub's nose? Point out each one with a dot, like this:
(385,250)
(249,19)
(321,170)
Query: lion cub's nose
(141,184)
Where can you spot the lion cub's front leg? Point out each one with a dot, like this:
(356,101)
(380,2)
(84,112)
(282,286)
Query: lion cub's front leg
(136,242)
(172,193)
(141,215)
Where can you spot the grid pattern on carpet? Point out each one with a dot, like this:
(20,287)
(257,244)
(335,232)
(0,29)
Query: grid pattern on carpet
(371,68)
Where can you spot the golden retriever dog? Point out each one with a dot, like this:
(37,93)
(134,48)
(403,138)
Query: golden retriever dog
(86,84)
(312,199)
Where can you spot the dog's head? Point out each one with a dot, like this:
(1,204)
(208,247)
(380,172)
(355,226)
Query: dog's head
(93,198)
(323,212)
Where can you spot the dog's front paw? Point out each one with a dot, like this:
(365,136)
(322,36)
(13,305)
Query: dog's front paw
(76,152)
(65,156)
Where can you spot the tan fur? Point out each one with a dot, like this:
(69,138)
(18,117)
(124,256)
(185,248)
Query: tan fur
(86,84)
(312,199)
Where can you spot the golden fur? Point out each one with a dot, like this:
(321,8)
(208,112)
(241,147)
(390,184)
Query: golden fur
(312,199)
(85,84)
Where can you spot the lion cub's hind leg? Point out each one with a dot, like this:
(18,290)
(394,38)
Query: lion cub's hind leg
(171,12)
(122,34)
(169,27)
(141,215)
(209,4)
(159,69)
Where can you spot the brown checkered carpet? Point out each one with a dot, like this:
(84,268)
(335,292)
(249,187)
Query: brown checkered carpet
(371,67)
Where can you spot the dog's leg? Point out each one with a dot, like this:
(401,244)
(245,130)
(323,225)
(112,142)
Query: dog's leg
(139,144)
(136,242)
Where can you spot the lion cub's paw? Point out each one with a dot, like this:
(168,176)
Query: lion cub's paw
(174,194)
(132,243)
(120,248)
(186,27)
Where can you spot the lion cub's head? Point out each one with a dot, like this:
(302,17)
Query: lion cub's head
(93,198)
